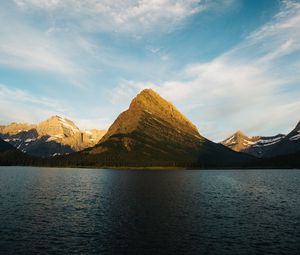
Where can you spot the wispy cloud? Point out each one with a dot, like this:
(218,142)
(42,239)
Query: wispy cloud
(68,40)
(63,44)
(247,88)
(121,15)
(24,46)
(21,106)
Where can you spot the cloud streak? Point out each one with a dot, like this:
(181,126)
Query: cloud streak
(120,15)
(21,106)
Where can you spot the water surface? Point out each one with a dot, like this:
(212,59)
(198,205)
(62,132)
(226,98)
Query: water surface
(90,211)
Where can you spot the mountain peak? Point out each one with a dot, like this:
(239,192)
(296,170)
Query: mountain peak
(240,134)
(147,98)
(148,106)
(148,91)
(151,102)
(55,117)
(57,126)
(239,141)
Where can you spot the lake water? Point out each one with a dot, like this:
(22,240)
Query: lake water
(90,211)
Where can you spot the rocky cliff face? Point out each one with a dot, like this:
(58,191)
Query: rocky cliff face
(54,136)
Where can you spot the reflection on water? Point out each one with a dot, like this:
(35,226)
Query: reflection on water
(87,211)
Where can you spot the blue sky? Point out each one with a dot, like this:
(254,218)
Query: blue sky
(226,64)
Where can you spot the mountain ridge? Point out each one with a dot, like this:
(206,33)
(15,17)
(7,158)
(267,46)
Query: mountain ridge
(266,146)
(53,136)
(152,132)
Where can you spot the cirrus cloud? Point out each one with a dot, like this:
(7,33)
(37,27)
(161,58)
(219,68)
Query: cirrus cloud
(135,16)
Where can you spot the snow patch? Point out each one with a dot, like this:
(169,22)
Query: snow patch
(28,140)
(268,141)
(295,137)
(65,123)
(249,142)
(229,140)
(54,137)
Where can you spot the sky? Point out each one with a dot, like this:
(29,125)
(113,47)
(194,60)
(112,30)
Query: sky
(227,65)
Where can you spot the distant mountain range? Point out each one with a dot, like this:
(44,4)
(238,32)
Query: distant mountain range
(52,137)
(150,133)
(265,147)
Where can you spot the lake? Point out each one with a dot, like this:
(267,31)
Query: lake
(98,211)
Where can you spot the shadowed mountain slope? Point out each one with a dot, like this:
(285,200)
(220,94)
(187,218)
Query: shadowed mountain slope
(290,144)
(9,155)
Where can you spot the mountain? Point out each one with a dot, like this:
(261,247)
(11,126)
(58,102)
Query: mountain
(290,144)
(240,142)
(263,146)
(15,128)
(258,146)
(54,136)
(9,155)
(152,132)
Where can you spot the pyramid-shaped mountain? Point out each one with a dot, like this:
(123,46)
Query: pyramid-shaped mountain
(152,132)
(239,141)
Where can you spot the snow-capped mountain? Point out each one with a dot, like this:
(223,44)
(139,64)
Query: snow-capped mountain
(264,146)
(240,142)
(255,145)
(54,136)
(289,145)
